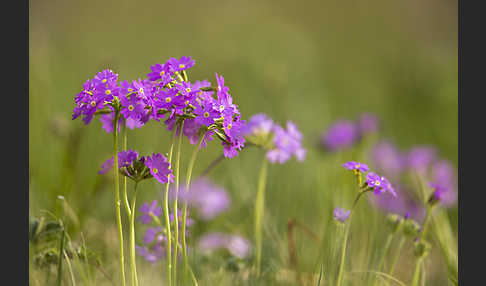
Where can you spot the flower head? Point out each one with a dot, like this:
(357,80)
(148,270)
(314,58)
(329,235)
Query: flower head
(146,209)
(236,245)
(351,165)
(379,184)
(340,135)
(159,167)
(181,64)
(341,214)
(287,143)
(368,123)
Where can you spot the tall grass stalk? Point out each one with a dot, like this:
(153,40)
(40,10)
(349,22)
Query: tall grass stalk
(259,210)
(397,256)
(166,214)
(175,208)
(184,210)
(117,197)
(346,234)
(133,262)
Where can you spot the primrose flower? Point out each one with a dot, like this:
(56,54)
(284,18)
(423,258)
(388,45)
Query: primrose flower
(208,199)
(147,209)
(388,159)
(351,165)
(258,124)
(126,158)
(420,158)
(236,245)
(107,122)
(287,143)
(132,107)
(159,168)
(181,64)
(341,214)
(379,184)
(161,72)
(368,123)
(438,193)
(343,134)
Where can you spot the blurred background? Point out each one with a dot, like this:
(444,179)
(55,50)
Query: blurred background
(312,62)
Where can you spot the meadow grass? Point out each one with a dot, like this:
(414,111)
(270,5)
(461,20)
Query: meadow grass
(337,61)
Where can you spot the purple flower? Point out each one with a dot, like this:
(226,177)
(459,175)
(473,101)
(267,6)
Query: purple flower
(183,63)
(438,191)
(126,158)
(147,209)
(387,159)
(107,122)
(207,198)
(169,98)
(258,124)
(379,184)
(287,143)
(402,204)
(106,166)
(224,102)
(150,234)
(420,158)
(151,255)
(132,107)
(106,77)
(236,245)
(161,72)
(341,214)
(368,123)
(443,173)
(205,114)
(340,135)
(351,165)
(159,168)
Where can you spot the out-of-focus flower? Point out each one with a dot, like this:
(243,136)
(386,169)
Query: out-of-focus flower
(236,245)
(341,135)
(368,123)
(147,209)
(352,165)
(341,214)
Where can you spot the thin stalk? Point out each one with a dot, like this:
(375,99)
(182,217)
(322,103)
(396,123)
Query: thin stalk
(133,263)
(117,196)
(426,222)
(385,250)
(59,266)
(70,269)
(416,273)
(345,241)
(184,210)
(259,209)
(125,143)
(167,219)
(397,255)
(175,208)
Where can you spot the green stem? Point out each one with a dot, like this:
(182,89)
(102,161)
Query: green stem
(175,208)
(259,209)
(59,266)
(125,143)
(184,210)
(167,219)
(416,273)
(426,222)
(345,240)
(117,196)
(397,255)
(385,251)
(133,262)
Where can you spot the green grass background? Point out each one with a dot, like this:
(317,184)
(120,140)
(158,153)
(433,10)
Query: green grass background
(311,62)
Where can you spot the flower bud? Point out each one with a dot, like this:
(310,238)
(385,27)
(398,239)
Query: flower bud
(394,221)
(411,228)
(421,249)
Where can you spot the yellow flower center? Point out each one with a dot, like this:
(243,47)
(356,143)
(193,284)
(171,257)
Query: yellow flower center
(206,114)
(155,170)
(188,89)
(182,66)
(168,99)
(229,126)
(108,92)
(130,89)
(104,80)
(141,90)
(93,103)
(162,73)
(130,107)
(221,107)
(377,183)
(187,102)
(357,166)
